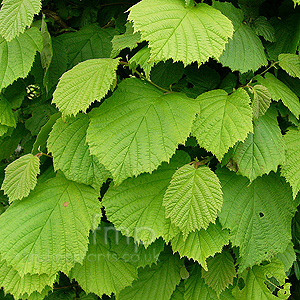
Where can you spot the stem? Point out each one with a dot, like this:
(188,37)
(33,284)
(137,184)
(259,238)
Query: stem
(273,64)
(41,154)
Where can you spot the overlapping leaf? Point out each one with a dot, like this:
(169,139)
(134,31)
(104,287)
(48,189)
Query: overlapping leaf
(21,177)
(48,231)
(135,207)
(193,198)
(223,120)
(261,100)
(17,56)
(67,142)
(85,83)
(202,30)
(7,117)
(290,63)
(253,213)
(15,16)
(138,128)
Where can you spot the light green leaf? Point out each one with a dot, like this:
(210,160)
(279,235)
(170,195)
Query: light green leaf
(296,2)
(67,142)
(193,198)
(129,39)
(89,42)
(201,244)
(135,207)
(139,127)
(261,100)
(223,120)
(245,50)
(16,285)
(15,16)
(279,91)
(291,167)
(21,177)
(101,271)
(155,282)
(37,295)
(262,27)
(287,257)
(17,56)
(263,150)
(256,279)
(141,58)
(202,30)
(220,273)
(85,83)
(53,233)
(3,129)
(253,213)
(7,117)
(290,63)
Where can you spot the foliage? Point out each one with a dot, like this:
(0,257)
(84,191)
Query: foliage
(149,149)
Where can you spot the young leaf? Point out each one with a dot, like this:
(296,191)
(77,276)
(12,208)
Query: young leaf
(85,83)
(245,50)
(290,63)
(256,279)
(125,128)
(21,177)
(263,28)
(202,30)
(15,16)
(193,198)
(48,231)
(135,207)
(17,56)
(141,58)
(16,285)
(67,142)
(155,282)
(279,91)
(261,100)
(101,272)
(223,120)
(201,244)
(291,167)
(129,39)
(253,213)
(263,150)
(220,273)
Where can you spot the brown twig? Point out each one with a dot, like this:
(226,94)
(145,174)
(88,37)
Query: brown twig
(53,15)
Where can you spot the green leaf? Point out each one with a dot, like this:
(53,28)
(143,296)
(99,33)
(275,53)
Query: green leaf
(21,177)
(263,150)
(287,257)
(135,207)
(287,34)
(179,292)
(256,279)
(15,16)
(291,167)
(124,129)
(89,42)
(201,244)
(279,91)
(193,198)
(16,285)
(17,56)
(253,213)
(262,27)
(85,83)
(129,39)
(261,100)
(220,273)
(245,50)
(7,117)
(67,142)
(290,63)
(101,272)
(53,233)
(202,30)
(223,120)
(155,282)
